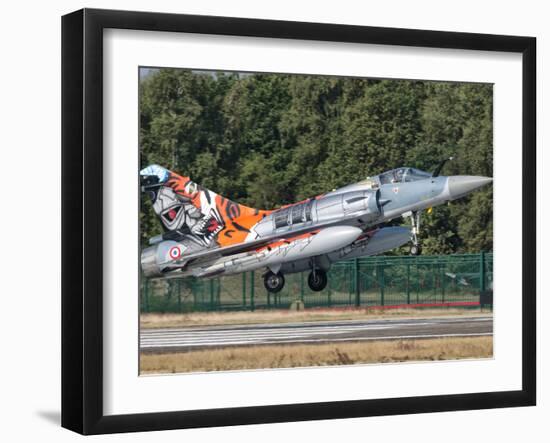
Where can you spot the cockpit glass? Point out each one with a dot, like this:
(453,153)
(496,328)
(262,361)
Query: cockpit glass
(401,175)
(415,174)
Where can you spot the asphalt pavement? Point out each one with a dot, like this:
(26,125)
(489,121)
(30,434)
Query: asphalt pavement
(209,337)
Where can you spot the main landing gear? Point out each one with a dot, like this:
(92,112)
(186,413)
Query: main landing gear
(415,222)
(274,282)
(317,281)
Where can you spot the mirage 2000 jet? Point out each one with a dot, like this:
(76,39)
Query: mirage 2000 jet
(207,235)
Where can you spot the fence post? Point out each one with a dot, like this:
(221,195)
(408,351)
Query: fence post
(244,289)
(179,295)
(482,271)
(168,297)
(204,294)
(356,281)
(434,280)
(252,290)
(302,286)
(381,282)
(146,295)
(443,282)
(417,282)
(408,283)
(349,272)
(211,294)
(194,293)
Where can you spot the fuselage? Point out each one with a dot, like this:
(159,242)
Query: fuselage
(314,233)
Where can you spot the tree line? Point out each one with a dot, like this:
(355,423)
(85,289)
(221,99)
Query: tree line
(265,140)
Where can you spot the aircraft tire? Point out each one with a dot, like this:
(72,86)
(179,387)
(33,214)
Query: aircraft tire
(318,281)
(416,250)
(274,282)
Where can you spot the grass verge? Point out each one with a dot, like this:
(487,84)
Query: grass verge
(152,321)
(330,354)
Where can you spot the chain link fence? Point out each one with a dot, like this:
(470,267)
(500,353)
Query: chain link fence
(382,281)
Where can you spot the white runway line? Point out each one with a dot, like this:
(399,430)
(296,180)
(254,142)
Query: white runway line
(271,333)
(250,337)
(261,329)
(304,325)
(317,340)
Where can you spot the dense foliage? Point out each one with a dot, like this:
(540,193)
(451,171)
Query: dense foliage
(269,139)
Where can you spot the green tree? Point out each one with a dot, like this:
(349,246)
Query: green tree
(272,139)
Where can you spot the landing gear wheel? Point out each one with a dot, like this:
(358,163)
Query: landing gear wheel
(415,250)
(274,282)
(317,280)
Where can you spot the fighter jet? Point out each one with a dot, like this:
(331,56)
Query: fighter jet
(207,235)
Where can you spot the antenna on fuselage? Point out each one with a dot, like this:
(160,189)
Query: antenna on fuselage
(440,167)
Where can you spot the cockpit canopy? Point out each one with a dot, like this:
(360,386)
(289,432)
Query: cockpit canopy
(402,175)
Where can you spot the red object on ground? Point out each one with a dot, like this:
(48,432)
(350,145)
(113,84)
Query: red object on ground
(428,305)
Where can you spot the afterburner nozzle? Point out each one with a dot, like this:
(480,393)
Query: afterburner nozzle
(461,185)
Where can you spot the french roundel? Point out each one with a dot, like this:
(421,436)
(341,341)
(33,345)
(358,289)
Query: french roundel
(174,252)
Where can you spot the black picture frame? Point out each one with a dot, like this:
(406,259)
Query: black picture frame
(82,215)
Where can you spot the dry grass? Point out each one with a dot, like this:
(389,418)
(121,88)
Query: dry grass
(289,356)
(150,321)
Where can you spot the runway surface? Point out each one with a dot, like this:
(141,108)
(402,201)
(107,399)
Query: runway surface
(208,337)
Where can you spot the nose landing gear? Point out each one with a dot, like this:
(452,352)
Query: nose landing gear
(415,222)
(415,250)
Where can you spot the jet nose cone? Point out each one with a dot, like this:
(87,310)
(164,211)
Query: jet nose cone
(461,185)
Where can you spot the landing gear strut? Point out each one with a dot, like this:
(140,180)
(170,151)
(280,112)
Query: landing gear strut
(274,282)
(415,222)
(317,280)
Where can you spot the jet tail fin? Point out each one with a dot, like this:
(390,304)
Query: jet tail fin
(190,209)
